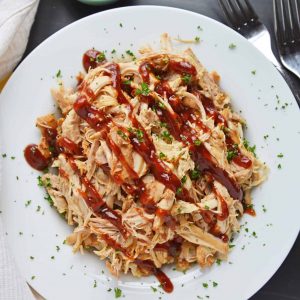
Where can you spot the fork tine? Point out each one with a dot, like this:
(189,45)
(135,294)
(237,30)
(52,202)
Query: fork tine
(291,24)
(285,34)
(277,24)
(251,10)
(234,11)
(242,10)
(296,21)
(232,20)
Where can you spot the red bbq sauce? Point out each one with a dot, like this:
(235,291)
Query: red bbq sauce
(92,59)
(164,280)
(68,146)
(35,158)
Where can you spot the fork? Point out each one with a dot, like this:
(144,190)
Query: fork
(243,19)
(287,31)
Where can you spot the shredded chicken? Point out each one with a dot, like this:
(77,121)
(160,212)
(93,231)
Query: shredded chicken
(148,155)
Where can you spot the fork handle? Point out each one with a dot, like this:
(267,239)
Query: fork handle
(291,82)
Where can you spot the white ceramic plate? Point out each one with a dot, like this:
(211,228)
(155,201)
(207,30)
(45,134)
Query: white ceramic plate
(38,233)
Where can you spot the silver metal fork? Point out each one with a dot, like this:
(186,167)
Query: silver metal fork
(287,31)
(242,18)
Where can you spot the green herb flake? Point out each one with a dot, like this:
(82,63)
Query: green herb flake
(215,284)
(122,134)
(4,155)
(31,257)
(121,25)
(199,28)
(12,157)
(32,277)
(205,285)
(100,57)
(279,166)
(130,53)
(52,257)
(249,148)
(162,155)
(232,46)
(57,248)
(145,91)
(113,51)
(184,179)
(231,246)
(218,261)
(27,203)
(280,155)
(49,199)
(58,74)
(266,136)
(206,207)
(179,191)
(166,136)
(264,209)
(153,289)
(197,39)
(20,233)
(95,284)
(118,292)
(253,72)
(194,174)
(197,142)
(140,135)
(231,154)
(127,82)
(186,78)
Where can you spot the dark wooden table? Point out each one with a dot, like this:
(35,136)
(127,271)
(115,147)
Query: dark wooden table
(52,15)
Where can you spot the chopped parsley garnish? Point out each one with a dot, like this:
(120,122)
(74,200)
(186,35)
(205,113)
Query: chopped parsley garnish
(266,136)
(4,155)
(197,142)
(145,91)
(264,209)
(279,166)
(113,51)
(57,248)
(128,82)
(249,148)
(215,284)
(122,134)
(95,284)
(162,124)
(254,234)
(205,285)
(194,174)
(166,136)
(218,261)
(206,207)
(186,78)
(253,72)
(140,135)
(130,53)
(32,277)
(49,199)
(52,257)
(58,74)
(118,292)
(197,39)
(199,27)
(153,289)
(183,179)
(161,105)
(121,25)
(231,246)
(280,155)
(179,191)
(231,154)
(232,46)
(100,57)
(31,257)
(12,157)
(20,233)
(162,155)
(27,203)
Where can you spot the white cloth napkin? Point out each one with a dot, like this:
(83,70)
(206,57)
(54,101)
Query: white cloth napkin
(16,18)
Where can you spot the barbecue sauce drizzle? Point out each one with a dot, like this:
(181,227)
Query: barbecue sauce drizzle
(177,125)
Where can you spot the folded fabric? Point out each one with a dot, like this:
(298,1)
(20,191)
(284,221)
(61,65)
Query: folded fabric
(16,18)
